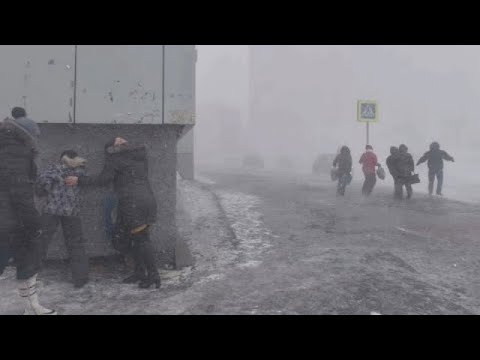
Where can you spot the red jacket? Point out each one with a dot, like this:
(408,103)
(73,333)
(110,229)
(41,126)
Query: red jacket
(369,161)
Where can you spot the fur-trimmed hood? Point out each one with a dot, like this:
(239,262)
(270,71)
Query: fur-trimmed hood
(137,152)
(19,132)
(73,163)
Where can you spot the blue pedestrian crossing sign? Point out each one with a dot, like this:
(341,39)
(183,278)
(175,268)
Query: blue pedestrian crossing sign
(367,111)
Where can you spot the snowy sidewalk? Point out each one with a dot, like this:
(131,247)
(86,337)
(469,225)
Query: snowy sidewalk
(215,246)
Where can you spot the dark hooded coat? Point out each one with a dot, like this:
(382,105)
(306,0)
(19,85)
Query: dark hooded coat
(435,158)
(19,219)
(126,167)
(394,163)
(343,161)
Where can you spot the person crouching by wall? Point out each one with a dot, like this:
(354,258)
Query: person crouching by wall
(62,208)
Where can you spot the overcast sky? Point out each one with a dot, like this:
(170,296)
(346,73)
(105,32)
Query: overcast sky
(426,93)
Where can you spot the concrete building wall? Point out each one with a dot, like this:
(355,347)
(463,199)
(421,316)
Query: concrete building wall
(186,156)
(84,95)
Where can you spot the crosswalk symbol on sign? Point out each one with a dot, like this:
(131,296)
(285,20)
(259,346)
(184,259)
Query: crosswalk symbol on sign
(368,111)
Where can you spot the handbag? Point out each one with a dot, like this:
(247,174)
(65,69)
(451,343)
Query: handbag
(334,174)
(413,179)
(381,173)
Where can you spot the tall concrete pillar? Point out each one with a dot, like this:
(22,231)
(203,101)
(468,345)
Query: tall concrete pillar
(185,156)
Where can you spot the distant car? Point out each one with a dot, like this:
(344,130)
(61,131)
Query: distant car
(284,162)
(323,164)
(253,161)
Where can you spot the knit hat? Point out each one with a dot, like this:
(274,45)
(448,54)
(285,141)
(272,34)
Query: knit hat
(18,112)
(20,116)
(70,153)
(71,159)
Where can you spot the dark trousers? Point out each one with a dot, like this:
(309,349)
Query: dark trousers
(342,184)
(369,184)
(5,254)
(139,247)
(409,189)
(399,183)
(20,233)
(398,189)
(431,180)
(74,242)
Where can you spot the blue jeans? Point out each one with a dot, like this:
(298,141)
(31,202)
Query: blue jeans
(431,179)
(343,181)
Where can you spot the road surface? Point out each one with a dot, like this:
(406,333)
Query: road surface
(278,243)
(352,255)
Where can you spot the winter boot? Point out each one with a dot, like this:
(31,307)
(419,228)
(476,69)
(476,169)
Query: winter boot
(28,291)
(140,273)
(80,283)
(137,276)
(146,252)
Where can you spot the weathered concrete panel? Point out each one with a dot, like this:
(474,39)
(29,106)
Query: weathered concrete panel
(39,78)
(120,84)
(186,166)
(180,62)
(185,156)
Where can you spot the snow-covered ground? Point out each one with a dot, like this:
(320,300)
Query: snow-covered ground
(223,232)
(327,255)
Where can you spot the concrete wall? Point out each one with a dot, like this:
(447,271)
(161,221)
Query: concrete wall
(185,156)
(89,140)
(83,95)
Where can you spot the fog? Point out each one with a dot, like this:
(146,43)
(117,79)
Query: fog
(300,101)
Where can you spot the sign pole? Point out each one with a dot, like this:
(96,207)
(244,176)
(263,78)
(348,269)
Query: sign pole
(368,133)
(367,112)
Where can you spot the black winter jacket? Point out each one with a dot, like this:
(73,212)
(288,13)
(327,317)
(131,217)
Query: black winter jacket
(17,156)
(406,165)
(435,159)
(127,168)
(393,164)
(343,161)
(17,175)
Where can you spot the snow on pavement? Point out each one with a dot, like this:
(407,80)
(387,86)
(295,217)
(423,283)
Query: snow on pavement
(219,239)
(253,238)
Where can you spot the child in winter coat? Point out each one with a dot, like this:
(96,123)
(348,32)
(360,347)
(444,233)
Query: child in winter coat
(62,207)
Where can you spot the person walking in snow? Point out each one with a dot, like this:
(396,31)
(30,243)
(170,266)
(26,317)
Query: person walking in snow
(435,158)
(343,166)
(369,163)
